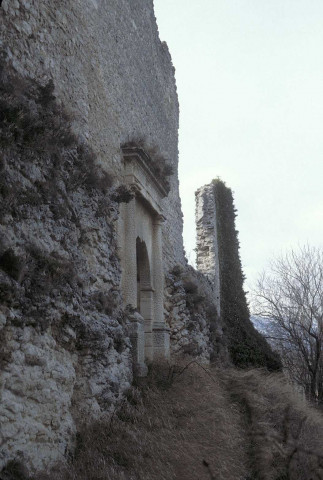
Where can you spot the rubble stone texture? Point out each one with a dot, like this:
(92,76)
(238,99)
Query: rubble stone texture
(65,351)
(190,312)
(112,73)
(207,251)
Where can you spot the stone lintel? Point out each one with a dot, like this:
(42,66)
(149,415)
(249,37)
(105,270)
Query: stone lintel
(147,198)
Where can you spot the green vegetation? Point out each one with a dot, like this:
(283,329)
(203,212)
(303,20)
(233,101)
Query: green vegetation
(247,347)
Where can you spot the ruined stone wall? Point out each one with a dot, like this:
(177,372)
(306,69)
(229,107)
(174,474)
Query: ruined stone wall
(207,250)
(66,354)
(191,313)
(112,73)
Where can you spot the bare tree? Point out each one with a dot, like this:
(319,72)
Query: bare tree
(290,297)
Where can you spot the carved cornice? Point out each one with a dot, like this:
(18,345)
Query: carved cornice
(145,162)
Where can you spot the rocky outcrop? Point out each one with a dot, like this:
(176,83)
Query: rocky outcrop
(65,350)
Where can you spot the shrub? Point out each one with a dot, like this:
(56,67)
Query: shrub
(161,375)
(14,470)
(190,286)
(122,194)
(177,271)
(12,264)
(195,297)
(105,301)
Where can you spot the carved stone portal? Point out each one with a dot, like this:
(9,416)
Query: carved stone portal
(140,236)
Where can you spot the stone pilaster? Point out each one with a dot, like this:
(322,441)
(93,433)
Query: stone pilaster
(137,337)
(160,330)
(146,308)
(129,257)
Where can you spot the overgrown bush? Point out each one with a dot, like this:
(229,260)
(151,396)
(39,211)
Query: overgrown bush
(14,470)
(194,297)
(247,346)
(105,302)
(11,264)
(122,194)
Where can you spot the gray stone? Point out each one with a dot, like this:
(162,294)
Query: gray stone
(207,253)
(74,359)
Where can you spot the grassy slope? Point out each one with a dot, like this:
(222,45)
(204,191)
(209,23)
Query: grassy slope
(214,424)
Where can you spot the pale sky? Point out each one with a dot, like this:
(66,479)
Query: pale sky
(250,83)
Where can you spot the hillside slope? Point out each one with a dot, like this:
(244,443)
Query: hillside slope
(191,422)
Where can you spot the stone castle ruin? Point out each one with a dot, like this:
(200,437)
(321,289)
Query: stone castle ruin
(120,294)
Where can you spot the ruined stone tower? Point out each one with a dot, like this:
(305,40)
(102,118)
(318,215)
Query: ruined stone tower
(207,249)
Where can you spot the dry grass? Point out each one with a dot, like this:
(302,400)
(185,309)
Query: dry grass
(174,426)
(285,433)
(193,423)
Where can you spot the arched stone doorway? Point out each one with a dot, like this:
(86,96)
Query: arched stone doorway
(141,253)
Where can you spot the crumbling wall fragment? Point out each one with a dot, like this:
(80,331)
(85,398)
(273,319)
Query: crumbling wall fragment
(191,313)
(207,250)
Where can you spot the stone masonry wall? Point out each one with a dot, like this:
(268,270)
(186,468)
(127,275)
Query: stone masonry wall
(207,252)
(112,73)
(66,355)
(191,313)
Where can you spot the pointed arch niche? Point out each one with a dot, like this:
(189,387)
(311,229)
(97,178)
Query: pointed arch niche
(140,243)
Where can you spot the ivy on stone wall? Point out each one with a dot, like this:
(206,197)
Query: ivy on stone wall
(247,347)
